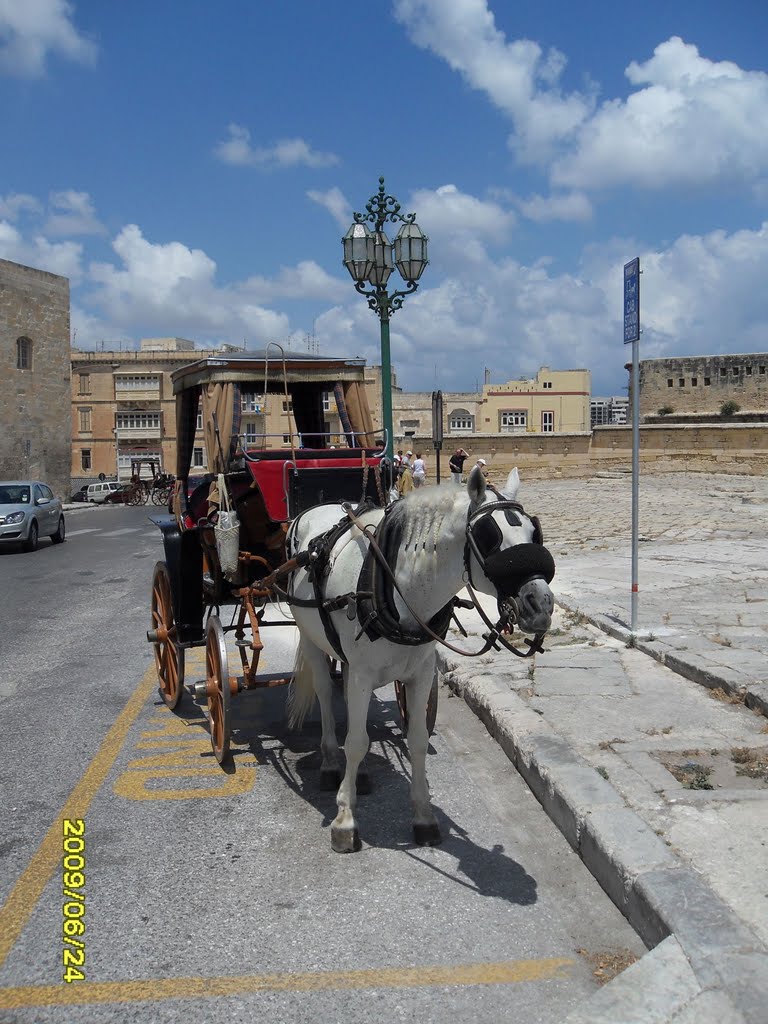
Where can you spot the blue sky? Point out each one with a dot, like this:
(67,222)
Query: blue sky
(191,167)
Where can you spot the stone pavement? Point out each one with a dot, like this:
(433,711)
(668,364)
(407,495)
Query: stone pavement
(651,752)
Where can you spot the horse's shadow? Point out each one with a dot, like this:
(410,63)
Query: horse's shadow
(383,818)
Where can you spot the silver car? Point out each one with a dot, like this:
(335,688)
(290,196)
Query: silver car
(29,510)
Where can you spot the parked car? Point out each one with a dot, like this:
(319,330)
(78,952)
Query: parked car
(99,491)
(120,496)
(29,510)
(81,494)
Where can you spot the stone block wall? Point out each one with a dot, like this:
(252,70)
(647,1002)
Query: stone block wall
(35,403)
(700,384)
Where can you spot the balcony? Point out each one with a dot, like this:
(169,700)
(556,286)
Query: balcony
(139,433)
(137,395)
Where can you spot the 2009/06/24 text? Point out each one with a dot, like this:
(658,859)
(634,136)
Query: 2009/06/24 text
(73,881)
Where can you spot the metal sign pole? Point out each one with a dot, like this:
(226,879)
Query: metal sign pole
(632,335)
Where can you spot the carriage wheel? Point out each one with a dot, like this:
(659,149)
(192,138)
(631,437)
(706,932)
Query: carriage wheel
(134,498)
(169,657)
(402,706)
(143,496)
(217,688)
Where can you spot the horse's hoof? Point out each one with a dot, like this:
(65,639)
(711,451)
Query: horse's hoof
(330,779)
(344,840)
(427,835)
(363,783)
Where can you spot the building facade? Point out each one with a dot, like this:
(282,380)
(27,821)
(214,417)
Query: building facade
(124,410)
(553,402)
(613,410)
(699,385)
(34,376)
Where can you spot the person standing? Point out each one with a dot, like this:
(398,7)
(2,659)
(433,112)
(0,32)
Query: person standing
(419,471)
(456,464)
(483,467)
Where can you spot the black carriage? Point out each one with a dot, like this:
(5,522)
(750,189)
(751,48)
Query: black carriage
(224,536)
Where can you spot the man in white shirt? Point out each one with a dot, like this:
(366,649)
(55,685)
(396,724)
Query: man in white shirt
(419,470)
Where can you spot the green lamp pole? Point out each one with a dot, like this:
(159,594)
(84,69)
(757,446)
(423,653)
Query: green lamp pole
(370,257)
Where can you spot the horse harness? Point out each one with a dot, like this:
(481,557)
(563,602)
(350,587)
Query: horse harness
(372,603)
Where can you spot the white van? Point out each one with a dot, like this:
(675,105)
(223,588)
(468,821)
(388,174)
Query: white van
(98,492)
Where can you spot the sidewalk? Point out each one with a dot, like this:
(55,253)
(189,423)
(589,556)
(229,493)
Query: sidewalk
(652,755)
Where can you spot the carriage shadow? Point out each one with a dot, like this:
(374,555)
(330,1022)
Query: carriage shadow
(384,816)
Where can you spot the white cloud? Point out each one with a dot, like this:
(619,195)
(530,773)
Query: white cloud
(15,204)
(31,30)
(72,213)
(335,203)
(64,258)
(573,206)
(518,77)
(307,280)
(237,150)
(694,121)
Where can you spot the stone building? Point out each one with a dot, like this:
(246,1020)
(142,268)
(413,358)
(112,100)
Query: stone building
(124,409)
(553,402)
(34,376)
(698,385)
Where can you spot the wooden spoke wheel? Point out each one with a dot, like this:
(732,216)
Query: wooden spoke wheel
(218,688)
(402,705)
(169,657)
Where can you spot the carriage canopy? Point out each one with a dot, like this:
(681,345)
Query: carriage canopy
(215,385)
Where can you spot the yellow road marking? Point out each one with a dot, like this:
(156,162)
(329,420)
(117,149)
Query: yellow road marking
(156,989)
(27,891)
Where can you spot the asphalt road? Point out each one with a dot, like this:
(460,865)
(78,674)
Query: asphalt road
(208,895)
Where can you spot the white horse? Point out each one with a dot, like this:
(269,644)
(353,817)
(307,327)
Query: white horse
(436,540)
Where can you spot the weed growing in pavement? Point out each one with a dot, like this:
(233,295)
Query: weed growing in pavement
(692,775)
(666,618)
(727,698)
(632,641)
(602,771)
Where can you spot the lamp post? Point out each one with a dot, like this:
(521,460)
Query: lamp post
(370,257)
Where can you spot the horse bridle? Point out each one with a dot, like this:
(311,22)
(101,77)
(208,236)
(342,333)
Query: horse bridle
(508,607)
(535,562)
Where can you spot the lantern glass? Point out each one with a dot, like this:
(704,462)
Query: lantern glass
(411,251)
(358,251)
(382,259)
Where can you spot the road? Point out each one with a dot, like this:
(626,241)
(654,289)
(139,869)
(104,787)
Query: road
(211,894)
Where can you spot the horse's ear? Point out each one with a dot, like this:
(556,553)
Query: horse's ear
(476,486)
(512,486)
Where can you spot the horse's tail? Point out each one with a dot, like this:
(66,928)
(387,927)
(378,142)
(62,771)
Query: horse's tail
(301,693)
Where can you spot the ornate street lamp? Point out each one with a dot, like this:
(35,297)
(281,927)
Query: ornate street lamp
(370,257)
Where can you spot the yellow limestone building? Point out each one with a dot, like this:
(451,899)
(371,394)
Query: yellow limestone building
(552,402)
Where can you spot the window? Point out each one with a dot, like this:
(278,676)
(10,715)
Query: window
(461,419)
(84,387)
(748,370)
(137,382)
(547,422)
(547,384)
(707,381)
(85,458)
(198,458)
(199,421)
(326,401)
(670,382)
(287,406)
(514,420)
(694,382)
(23,354)
(85,420)
(251,434)
(681,382)
(286,438)
(138,420)
(723,371)
(735,371)
(761,369)
(251,402)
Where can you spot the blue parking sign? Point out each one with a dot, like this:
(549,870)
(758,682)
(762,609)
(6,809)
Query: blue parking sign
(632,301)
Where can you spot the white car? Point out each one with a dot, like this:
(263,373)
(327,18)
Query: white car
(29,510)
(98,492)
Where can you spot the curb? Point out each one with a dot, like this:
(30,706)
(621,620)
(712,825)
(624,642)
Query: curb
(659,896)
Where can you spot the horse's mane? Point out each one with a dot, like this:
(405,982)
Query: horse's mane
(425,511)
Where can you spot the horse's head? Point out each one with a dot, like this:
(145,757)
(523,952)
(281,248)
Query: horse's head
(505,556)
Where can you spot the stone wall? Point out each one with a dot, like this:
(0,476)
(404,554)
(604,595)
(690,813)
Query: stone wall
(700,384)
(711,448)
(35,425)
